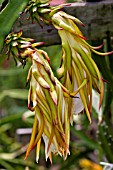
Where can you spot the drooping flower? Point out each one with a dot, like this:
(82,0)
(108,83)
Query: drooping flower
(50,103)
(47,97)
(78,70)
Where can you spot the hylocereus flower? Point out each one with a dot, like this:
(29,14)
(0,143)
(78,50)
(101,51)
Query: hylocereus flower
(50,103)
(78,70)
(47,97)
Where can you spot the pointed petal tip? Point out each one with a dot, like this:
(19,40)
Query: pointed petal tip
(102,53)
(20,31)
(26,156)
(30,108)
(107,53)
(50,161)
(48,59)
(82,37)
(37,159)
(100,104)
(100,118)
(89,118)
(60,29)
(41,43)
(83,25)
(111,52)
(54,100)
(37,44)
(68,4)
(99,47)
(106,81)
(101,99)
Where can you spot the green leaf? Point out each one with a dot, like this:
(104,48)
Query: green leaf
(19,161)
(1,1)
(11,119)
(5,127)
(11,72)
(8,17)
(6,165)
(14,93)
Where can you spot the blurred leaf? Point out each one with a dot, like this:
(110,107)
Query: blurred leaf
(11,118)
(107,99)
(5,127)
(1,1)
(14,93)
(12,72)
(6,165)
(3,4)
(8,17)
(86,140)
(22,162)
(5,140)
(7,156)
(104,143)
